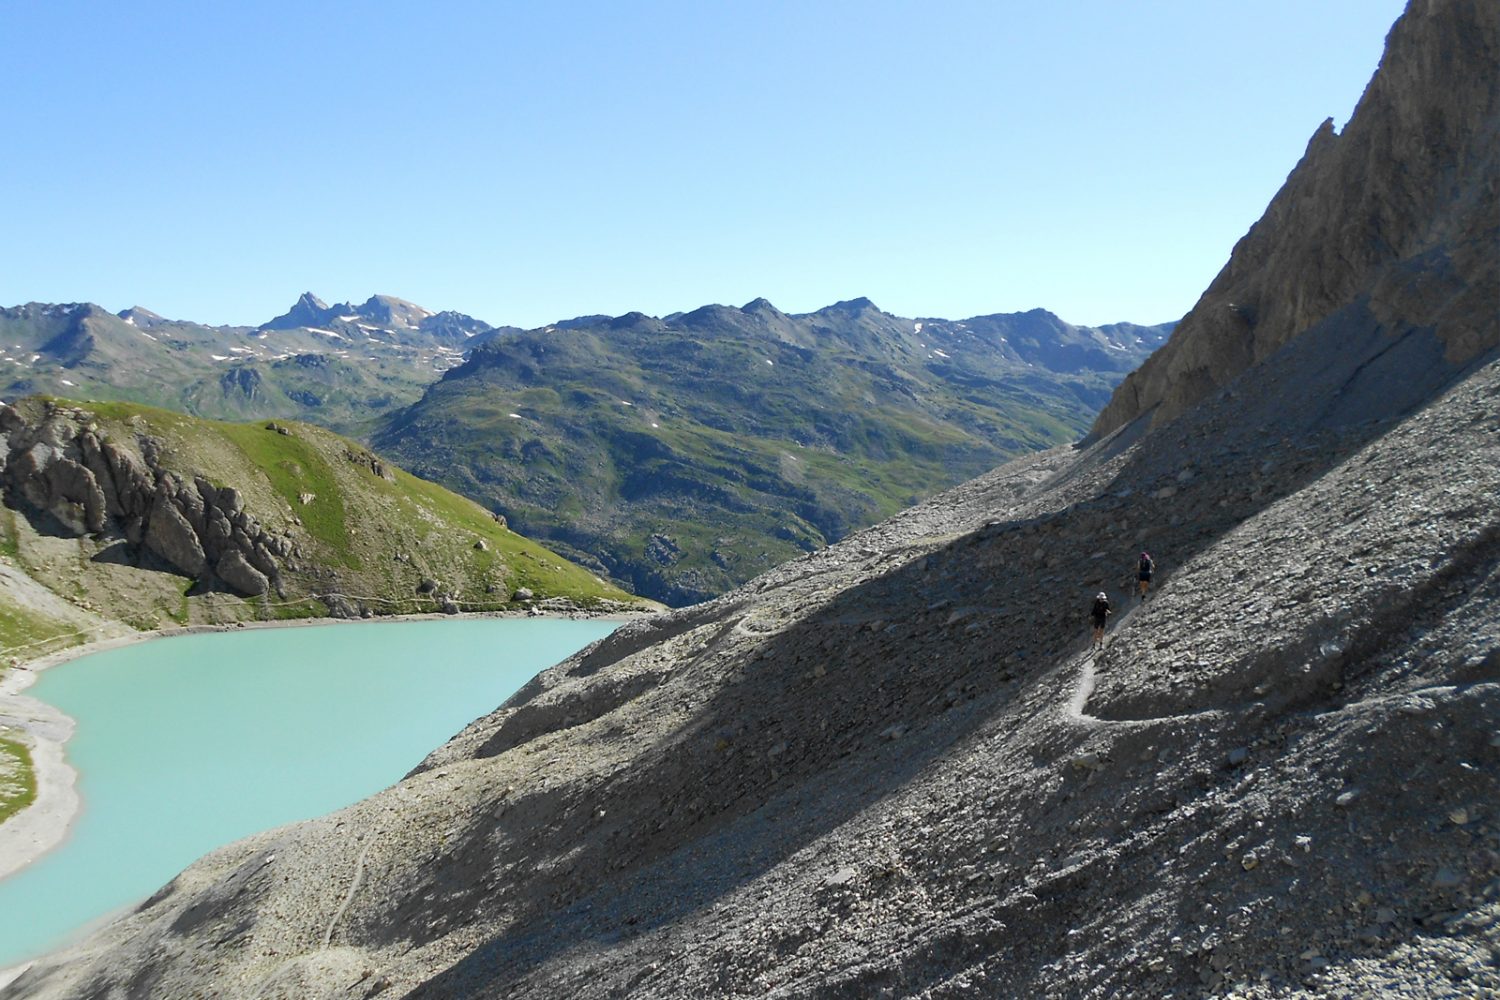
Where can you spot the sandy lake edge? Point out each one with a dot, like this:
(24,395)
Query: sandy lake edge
(45,823)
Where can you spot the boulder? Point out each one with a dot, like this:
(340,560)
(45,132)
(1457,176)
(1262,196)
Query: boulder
(259,556)
(72,488)
(217,532)
(230,501)
(132,480)
(91,451)
(170,536)
(234,569)
(190,502)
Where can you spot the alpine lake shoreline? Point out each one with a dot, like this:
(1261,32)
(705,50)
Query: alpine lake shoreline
(45,823)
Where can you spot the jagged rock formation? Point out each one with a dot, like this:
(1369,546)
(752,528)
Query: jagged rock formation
(1348,239)
(61,468)
(893,768)
(388,314)
(112,504)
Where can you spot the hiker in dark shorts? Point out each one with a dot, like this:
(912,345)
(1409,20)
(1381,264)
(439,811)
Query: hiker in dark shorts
(1100,615)
(1143,573)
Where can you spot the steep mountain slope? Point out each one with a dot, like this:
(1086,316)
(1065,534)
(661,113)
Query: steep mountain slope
(687,453)
(892,767)
(1347,240)
(155,518)
(339,366)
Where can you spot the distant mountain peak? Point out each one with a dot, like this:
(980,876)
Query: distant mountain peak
(308,310)
(852,306)
(390,310)
(710,312)
(759,305)
(384,310)
(140,317)
(630,319)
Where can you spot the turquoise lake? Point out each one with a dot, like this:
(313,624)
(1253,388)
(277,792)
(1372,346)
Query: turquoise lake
(185,744)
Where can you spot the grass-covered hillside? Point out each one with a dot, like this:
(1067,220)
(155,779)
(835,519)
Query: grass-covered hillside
(689,453)
(156,518)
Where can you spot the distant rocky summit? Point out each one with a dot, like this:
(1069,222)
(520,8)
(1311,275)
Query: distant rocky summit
(337,366)
(894,767)
(382,315)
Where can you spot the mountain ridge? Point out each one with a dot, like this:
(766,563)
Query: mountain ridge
(927,418)
(682,454)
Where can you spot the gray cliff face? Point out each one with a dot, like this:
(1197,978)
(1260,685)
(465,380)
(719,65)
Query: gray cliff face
(60,468)
(1396,219)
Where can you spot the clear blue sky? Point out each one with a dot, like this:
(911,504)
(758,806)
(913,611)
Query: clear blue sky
(525,162)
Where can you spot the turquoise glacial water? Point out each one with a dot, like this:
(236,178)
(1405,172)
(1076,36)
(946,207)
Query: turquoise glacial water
(185,744)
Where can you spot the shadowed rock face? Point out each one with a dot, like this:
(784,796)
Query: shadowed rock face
(1397,218)
(894,768)
(59,467)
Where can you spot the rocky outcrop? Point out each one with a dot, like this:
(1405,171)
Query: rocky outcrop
(369,460)
(57,466)
(234,569)
(1392,224)
(171,536)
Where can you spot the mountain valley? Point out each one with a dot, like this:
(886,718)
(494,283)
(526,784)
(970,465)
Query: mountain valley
(893,766)
(677,456)
(685,454)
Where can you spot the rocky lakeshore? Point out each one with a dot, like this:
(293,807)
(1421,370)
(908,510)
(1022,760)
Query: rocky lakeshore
(43,825)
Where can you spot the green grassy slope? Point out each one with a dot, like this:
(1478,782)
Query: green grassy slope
(688,454)
(17,780)
(368,537)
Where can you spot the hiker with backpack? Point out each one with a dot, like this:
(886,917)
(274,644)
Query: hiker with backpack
(1100,614)
(1143,573)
